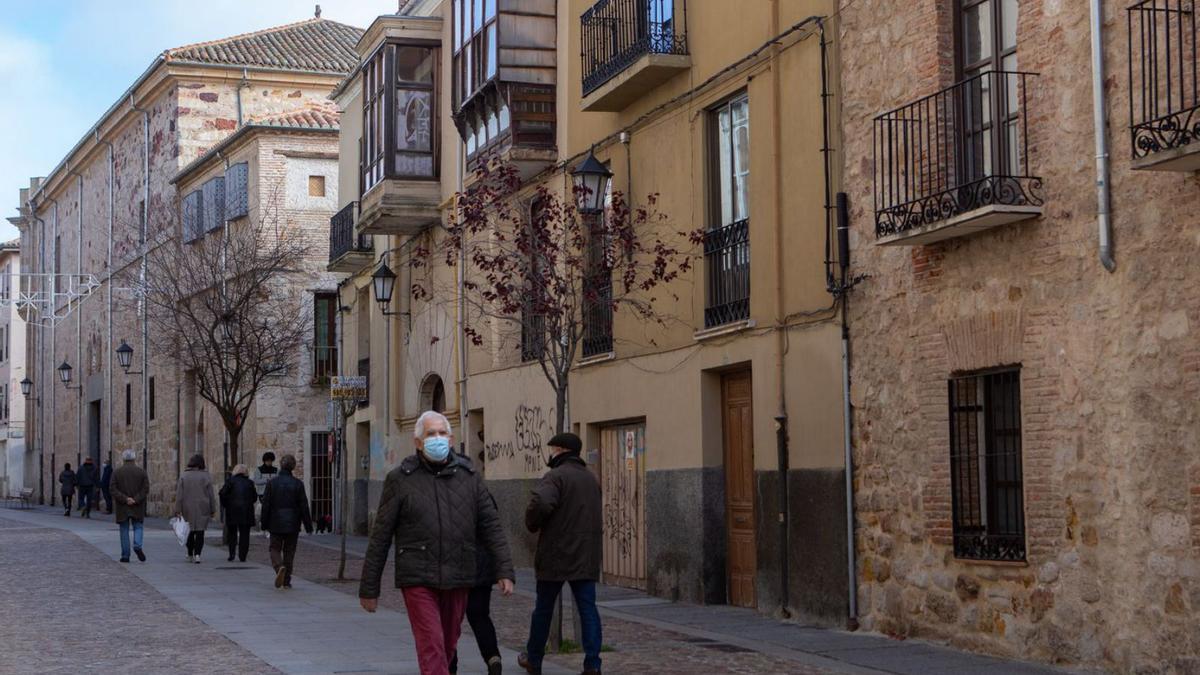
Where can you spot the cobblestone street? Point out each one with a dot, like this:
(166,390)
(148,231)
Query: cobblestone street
(69,606)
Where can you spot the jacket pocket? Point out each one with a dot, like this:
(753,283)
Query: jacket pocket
(412,564)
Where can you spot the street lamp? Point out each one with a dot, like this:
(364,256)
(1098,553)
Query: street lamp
(591,180)
(26,387)
(383,282)
(125,358)
(64,374)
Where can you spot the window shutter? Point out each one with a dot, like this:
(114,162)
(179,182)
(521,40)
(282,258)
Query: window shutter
(192,216)
(214,203)
(237,203)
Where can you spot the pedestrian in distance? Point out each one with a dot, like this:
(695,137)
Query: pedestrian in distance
(86,480)
(263,475)
(238,498)
(195,503)
(479,610)
(130,487)
(106,486)
(66,482)
(565,509)
(436,512)
(284,510)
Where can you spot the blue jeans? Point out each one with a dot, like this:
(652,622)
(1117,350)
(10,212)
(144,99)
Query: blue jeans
(137,536)
(543,613)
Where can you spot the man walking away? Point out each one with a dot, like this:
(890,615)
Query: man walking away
(565,508)
(284,509)
(437,511)
(130,487)
(195,502)
(263,475)
(238,498)
(106,485)
(66,481)
(86,482)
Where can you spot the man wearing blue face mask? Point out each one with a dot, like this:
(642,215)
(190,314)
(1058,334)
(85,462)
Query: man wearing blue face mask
(436,510)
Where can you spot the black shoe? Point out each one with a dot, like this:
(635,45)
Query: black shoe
(495,666)
(124,560)
(68,513)
(230,558)
(141,556)
(591,672)
(523,661)
(279,575)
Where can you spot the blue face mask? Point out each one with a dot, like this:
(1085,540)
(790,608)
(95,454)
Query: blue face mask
(437,449)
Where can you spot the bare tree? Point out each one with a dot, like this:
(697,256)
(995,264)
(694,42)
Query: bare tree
(226,308)
(542,273)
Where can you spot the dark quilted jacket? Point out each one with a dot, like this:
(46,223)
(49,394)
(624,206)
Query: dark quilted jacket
(436,519)
(285,505)
(565,508)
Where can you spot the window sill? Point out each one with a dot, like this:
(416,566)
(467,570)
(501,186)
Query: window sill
(597,358)
(723,330)
(992,563)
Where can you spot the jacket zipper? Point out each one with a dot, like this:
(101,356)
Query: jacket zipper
(437,499)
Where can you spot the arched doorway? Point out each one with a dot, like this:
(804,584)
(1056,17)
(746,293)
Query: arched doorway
(433,393)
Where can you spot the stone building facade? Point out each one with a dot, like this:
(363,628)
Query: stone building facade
(87,223)
(15,461)
(1024,418)
(660,406)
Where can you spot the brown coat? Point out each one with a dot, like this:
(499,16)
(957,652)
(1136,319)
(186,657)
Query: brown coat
(130,481)
(194,499)
(565,508)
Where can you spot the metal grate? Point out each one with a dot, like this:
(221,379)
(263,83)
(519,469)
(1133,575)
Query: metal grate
(727,258)
(616,33)
(1164,83)
(985,466)
(321,478)
(964,148)
(341,234)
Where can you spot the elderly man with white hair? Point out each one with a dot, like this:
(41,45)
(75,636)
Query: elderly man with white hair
(130,487)
(436,510)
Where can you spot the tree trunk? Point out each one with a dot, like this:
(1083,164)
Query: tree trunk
(560,407)
(234,448)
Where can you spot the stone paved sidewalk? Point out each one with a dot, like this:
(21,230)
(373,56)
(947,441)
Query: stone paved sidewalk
(67,608)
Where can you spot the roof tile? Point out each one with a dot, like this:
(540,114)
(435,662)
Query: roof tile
(317,45)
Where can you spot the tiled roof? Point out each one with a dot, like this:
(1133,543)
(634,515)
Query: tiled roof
(314,45)
(316,116)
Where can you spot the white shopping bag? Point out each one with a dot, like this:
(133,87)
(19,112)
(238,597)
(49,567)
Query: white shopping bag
(181,529)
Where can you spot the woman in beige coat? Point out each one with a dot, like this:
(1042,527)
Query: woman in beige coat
(195,503)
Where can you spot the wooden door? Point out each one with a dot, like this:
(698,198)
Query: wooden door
(622,480)
(738,424)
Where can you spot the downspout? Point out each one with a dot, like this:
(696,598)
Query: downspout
(53,350)
(781,417)
(1100,118)
(245,82)
(142,309)
(461,318)
(108,370)
(79,323)
(39,369)
(843,244)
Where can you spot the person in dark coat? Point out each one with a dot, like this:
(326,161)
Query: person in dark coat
(565,508)
(130,487)
(66,481)
(86,480)
(238,497)
(479,610)
(284,510)
(437,514)
(196,503)
(106,486)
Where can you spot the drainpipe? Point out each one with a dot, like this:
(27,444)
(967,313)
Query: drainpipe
(39,377)
(110,350)
(461,317)
(244,83)
(1100,117)
(52,352)
(79,324)
(142,309)
(843,244)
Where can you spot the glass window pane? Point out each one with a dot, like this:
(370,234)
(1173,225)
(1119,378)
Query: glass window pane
(470,141)
(414,64)
(480,137)
(492,48)
(489,11)
(504,121)
(457,25)
(477,17)
(414,120)
(725,165)
(468,74)
(492,128)
(977,33)
(1008,24)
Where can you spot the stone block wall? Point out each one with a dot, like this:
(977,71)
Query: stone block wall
(1107,361)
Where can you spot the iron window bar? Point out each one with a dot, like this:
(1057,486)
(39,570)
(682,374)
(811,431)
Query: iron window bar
(342,239)
(727,263)
(963,148)
(1164,83)
(616,33)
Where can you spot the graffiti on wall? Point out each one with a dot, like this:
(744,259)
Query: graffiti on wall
(532,428)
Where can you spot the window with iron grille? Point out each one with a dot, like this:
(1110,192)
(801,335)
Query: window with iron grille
(985,466)
(324,335)
(533,311)
(727,241)
(987,41)
(597,283)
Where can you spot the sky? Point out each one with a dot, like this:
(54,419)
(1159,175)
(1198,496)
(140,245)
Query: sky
(63,63)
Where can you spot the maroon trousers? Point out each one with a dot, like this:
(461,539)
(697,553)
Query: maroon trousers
(436,618)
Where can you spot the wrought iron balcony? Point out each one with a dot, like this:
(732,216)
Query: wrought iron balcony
(325,364)
(1164,95)
(630,46)
(598,315)
(955,162)
(727,263)
(348,252)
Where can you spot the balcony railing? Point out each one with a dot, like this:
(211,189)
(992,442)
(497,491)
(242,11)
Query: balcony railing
(727,259)
(325,364)
(598,315)
(342,239)
(964,148)
(1164,95)
(616,33)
